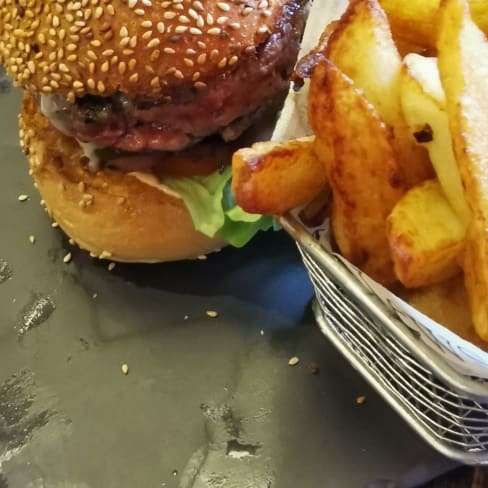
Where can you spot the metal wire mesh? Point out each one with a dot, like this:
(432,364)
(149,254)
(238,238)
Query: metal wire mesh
(454,424)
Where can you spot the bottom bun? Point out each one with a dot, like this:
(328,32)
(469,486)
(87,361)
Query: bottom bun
(111,214)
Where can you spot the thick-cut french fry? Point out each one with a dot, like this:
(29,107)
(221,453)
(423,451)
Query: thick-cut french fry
(413,20)
(362,47)
(363,173)
(463,66)
(425,236)
(448,304)
(424,107)
(416,21)
(271,177)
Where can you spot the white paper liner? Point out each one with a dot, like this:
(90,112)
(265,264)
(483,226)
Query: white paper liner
(460,354)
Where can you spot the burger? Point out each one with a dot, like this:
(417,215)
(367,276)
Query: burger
(132,110)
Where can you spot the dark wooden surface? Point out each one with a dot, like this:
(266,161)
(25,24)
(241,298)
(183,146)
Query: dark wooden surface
(464,477)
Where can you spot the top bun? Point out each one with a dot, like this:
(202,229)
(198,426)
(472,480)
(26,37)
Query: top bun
(99,47)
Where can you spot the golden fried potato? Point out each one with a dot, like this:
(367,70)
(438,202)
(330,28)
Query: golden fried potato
(364,173)
(414,22)
(273,177)
(447,303)
(463,67)
(362,47)
(424,107)
(425,236)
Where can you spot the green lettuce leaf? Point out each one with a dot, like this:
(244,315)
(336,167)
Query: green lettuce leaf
(210,202)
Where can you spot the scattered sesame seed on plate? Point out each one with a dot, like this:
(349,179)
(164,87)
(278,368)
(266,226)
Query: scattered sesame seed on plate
(360,400)
(67,258)
(54,225)
(125,369)
(293,361)
(111,266)
(212,314)
(32,239)
(23,198)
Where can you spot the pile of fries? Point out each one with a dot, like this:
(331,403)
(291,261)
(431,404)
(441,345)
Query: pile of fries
(398,104)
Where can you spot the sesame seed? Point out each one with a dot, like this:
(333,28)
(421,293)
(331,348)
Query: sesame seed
(132,3)
(233,60)
(133,78)
(360,400)
(98,12)
(123,31)
(210,19)
(190,51)
(222,20)
(32,239)
(263,29)
(184,19)
(169,15)
(223,6)
(195,31)
(188,62)
(178,74)
(105,254)
(169,50)
(146,23)
(235,25)
(153,43)
(125,369)
(193,14)
(111,266)
(212,314)
(214,31)
(247,10)
(54,225)
(222,63)
(195,76)
(139,11)
(71,242)
(199,84)
(23,198)
(160,27)
(180,29)
(202,58)
(198,5)
(293,361)
(67,258)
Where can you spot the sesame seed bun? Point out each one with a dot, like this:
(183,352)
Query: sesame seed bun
(109,213)
(151,47)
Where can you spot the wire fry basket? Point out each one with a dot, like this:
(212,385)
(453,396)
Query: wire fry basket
(447,409)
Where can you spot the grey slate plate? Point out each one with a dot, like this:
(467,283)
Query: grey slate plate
(207,402)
